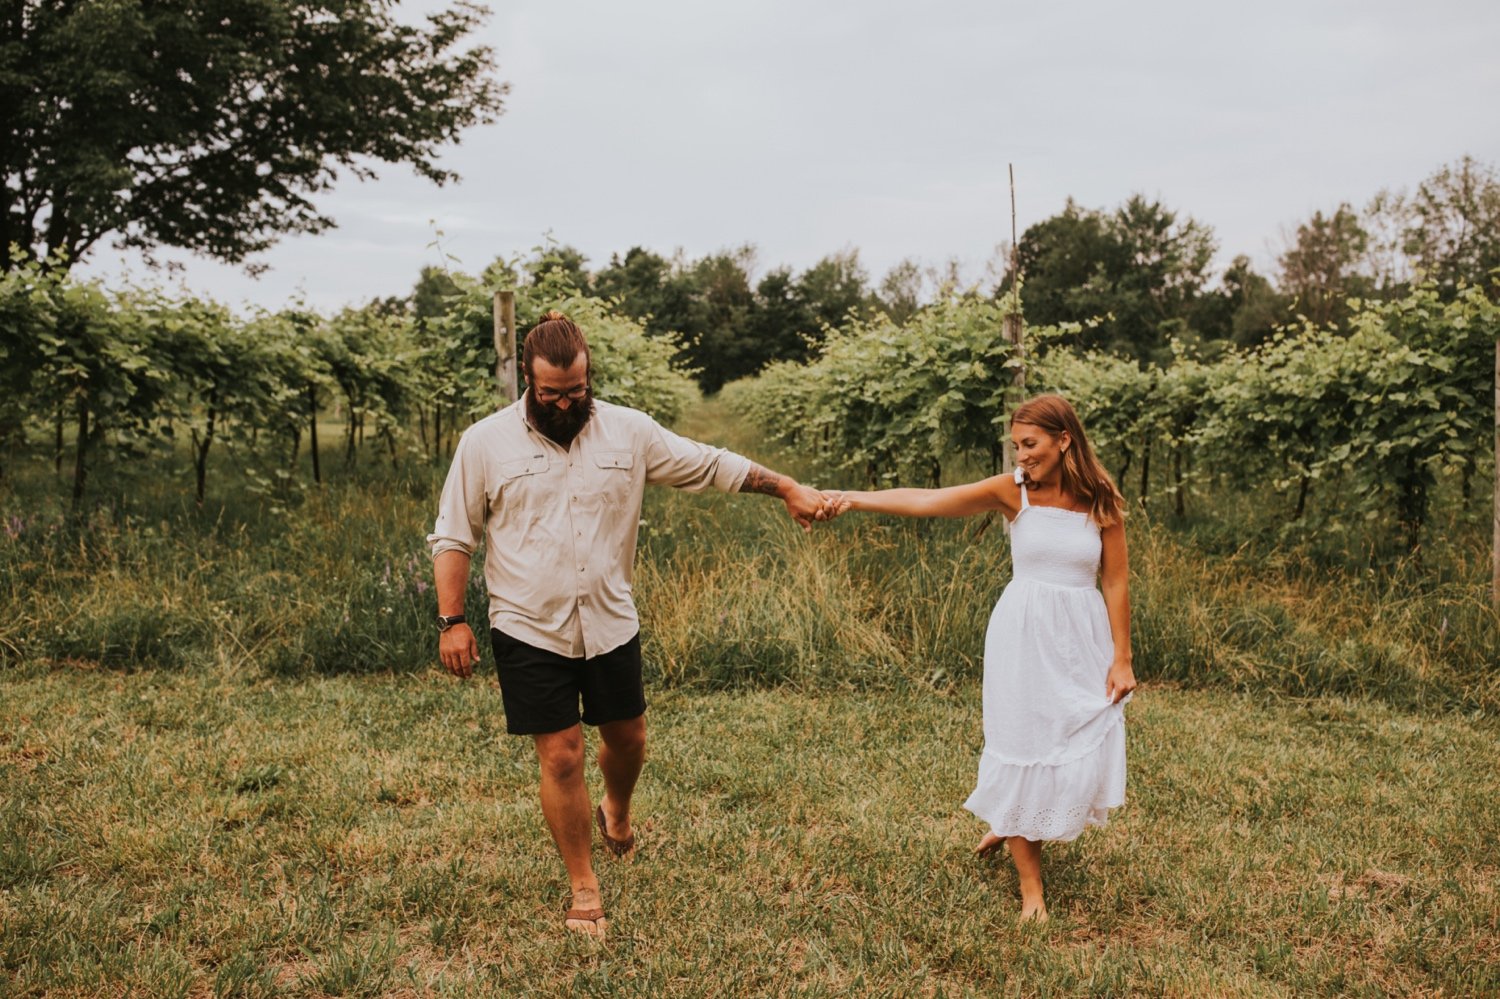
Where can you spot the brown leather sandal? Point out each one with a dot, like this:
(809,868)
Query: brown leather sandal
(593,915)
(618,847)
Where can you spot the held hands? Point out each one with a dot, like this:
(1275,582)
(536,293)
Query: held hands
(835,502)
(804,504)
(458,650)
(814,504)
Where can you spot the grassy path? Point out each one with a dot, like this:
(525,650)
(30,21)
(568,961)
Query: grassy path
(208,833)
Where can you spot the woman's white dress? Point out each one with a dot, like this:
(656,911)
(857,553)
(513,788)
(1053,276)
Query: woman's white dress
(1054,746)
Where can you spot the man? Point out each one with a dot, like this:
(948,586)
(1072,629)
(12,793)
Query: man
(553,485)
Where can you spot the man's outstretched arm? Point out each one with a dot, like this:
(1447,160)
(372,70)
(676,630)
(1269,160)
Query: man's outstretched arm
(804,503)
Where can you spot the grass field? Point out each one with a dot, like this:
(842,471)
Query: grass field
(229,767)
(239,835)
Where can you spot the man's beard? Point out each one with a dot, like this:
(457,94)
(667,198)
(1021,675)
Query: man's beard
(560,425)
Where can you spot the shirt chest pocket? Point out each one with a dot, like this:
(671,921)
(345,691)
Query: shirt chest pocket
(517,467)
(520,477)
(613,472)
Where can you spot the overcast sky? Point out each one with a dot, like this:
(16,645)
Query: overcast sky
(808,127)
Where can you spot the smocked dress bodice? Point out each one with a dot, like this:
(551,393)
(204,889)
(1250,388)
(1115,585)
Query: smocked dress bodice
(1051,545)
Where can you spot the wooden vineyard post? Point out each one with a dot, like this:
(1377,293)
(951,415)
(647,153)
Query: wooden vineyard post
(1495,551)
(1015,330)
(505,345)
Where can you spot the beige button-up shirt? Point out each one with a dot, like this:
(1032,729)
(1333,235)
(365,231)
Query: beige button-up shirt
(560,526)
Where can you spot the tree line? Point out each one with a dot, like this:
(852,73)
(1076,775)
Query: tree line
(1141,273)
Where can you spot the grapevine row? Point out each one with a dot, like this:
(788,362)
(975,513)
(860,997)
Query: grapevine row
(99,376)
(1365,417)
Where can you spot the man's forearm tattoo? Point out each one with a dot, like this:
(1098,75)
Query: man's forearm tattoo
(760,480)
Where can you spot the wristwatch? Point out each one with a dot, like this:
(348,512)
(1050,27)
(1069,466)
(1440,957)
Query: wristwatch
(444,623)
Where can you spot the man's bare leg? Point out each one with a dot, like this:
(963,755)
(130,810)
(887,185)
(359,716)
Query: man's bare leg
(565,805)
(622,752)
(1027,855)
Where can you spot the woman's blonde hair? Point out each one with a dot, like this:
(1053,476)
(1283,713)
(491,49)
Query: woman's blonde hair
(1083,477)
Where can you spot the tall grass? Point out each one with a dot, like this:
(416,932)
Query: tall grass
(730,593)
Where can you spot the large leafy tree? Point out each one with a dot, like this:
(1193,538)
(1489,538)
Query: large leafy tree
(1068,261)
(210,124)
(1167,259)
(654,291)
(833,287)
(780,325)
(1140,269)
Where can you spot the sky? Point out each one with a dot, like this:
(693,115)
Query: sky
(807,128)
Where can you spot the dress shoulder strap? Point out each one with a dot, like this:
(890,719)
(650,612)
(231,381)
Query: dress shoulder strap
(1021,481)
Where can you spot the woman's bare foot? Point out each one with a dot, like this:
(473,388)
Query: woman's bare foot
(1033,910)
(988,845)
(1027,855)
(587,914)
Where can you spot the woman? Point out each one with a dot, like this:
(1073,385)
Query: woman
(1057,667)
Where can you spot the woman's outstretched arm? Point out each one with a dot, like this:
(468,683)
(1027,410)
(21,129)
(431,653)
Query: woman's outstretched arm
(1114,583)
(999,492)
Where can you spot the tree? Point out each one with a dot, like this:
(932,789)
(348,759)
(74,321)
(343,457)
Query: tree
(1319,268)
(719,344)
(559,264)
(650,288)
(1140,268)
(1255,306)
(1066,262)
(433,293)
(209,124)
(1385,219)
(900,293)
(1454,232)
(779,325)
(833,287)
(1166,269)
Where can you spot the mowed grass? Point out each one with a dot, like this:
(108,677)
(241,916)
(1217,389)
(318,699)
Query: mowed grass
(218,834)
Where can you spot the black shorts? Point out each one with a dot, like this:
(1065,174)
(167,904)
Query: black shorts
(541,689)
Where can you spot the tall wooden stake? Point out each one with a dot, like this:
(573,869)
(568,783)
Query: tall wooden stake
(1015,328)
(1495,554)
(505,345)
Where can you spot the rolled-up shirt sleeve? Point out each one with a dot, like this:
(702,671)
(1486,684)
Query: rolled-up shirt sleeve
(463,505)
(672,460)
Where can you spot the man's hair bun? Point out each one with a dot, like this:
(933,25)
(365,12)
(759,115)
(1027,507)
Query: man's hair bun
(556,338)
